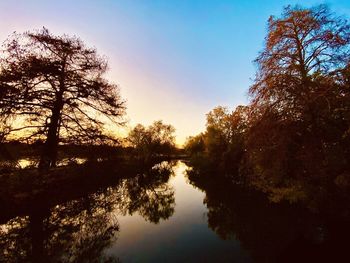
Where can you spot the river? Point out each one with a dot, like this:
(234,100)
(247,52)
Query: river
(160,215)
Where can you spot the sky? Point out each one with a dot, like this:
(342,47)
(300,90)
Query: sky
(174,60)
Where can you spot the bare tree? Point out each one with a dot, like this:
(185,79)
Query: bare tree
(54,87)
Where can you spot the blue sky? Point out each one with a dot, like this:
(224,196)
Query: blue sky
(174,60)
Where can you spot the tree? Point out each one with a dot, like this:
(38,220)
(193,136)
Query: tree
(219,120)
(195,144)
(224,128)
(298,139)
(300,46)
(55,88)
(221,146)
(154,140)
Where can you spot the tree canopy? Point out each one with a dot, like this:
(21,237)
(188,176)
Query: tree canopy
(300,104)
(53,88)
(304,49)
(292,141)
(156,139)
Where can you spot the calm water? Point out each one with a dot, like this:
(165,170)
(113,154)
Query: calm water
(184,237)
(161,214)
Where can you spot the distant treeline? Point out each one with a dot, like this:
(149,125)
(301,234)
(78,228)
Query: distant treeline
(18,150)
(143,144)
(54,97)
(293,139)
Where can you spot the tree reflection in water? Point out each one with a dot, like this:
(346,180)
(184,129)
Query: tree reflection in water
(79,230)
(270,232)
(150,195)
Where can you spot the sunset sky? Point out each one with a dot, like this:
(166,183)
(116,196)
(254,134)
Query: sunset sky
(173,60)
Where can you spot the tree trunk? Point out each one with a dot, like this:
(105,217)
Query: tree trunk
(49,153)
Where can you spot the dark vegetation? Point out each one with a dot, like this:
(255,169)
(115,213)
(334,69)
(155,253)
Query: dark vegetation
(63,177)
(155,140)
(292,141)
(53,89)
(291,144)
(70,214)
(55,103)
(271,232)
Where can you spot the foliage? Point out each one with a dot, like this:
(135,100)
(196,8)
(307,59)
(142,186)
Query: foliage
(292,141)
(221,146)
(156,139)
(298,140)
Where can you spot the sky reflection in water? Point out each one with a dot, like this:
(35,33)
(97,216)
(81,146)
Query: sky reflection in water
(184,237)
(155,214)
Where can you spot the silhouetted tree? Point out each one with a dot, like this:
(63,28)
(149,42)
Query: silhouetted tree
(154,140)
(54,87)
(195,144)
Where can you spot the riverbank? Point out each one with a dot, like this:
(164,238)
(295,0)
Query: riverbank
(25,187)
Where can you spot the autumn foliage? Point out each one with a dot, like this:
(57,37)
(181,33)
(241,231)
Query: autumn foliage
(293,140)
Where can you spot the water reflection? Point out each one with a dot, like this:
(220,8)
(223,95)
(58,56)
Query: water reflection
(32,162)
(73,232)
(157,213)
(79,230)
(270,232)
(150,195)
(183,237)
